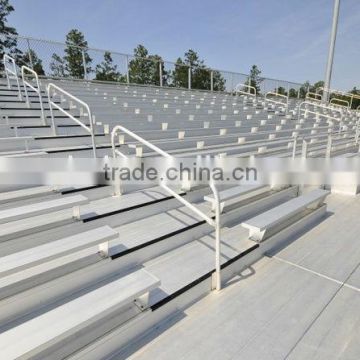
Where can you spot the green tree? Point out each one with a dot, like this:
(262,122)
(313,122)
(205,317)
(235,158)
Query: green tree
(145,68)
(57,66)
(293,93)
(254,78)
(304,88)
(31,60)
(219,82)
(76,53)
(281,91)
(200,73)
(317,85)
(180,74)
(8,41)
(356,100)
(107,70)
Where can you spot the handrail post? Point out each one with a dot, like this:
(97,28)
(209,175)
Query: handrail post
(84,63)
(328,146)
(30,55)
(127,70)
(217,226)
(37,90)
(294,147)
(304,149)
(53,104)
(53,127)
(12,71)
(160,74)
(189,78)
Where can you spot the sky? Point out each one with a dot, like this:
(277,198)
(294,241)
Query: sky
(286,39)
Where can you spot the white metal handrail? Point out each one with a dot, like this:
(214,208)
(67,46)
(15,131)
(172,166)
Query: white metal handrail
(215,223)
(11,71)
(304,103)
(248,92)
(331,137)
(37,89)
(347,104)
(348,95)
(118,128)
(270,93)
(313,96)
(52,89)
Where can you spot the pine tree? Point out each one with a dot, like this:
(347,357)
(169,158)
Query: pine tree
(200,73)
(74,59)
(107,70)
(8,40)
(254,79)
(31,60)
(57,66)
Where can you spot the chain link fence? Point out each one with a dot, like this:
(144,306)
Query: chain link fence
(55,59)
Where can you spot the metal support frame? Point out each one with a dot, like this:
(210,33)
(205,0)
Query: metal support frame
(11,72)
(52,89)
(37,89)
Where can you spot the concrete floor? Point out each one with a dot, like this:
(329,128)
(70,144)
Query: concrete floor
(302,302)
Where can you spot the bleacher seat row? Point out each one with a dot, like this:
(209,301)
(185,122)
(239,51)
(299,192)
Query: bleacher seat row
(84,272)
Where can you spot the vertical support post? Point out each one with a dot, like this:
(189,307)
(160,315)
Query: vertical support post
(217,237)
(328,147)
(51,112)
(127,70)
(84,64)
(160,74)
(212,80)
(330,59)
(304,149)
(189,78)
(294,147)
(30,55)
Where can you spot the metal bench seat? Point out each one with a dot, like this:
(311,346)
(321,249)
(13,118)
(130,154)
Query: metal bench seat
(259,225)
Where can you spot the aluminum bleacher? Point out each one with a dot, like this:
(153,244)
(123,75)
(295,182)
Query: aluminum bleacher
(86,273)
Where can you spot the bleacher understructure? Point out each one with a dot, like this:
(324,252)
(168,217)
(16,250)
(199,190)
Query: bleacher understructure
(85,274)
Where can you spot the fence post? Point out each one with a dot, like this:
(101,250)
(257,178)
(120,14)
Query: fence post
(160,73)
(212,80)
(84,64)
(30,55)
(127,70)
(189,78)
